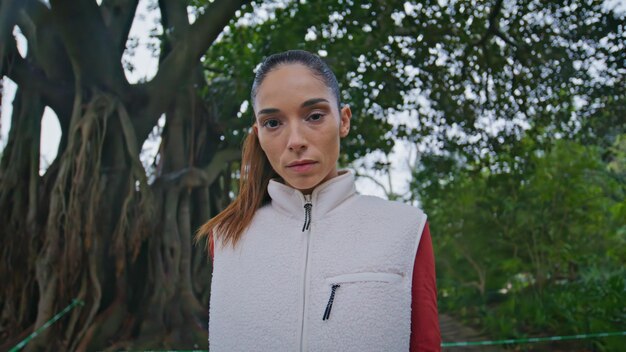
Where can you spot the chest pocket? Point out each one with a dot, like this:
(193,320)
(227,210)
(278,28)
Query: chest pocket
(361,294)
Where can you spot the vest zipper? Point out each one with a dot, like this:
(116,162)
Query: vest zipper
(307,213)
(329,306)
(308,206)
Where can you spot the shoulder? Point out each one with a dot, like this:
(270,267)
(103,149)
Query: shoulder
(264,209)
(387,207)
(376,211)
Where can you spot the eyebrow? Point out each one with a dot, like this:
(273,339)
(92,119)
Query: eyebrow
(307,103)
(313,102)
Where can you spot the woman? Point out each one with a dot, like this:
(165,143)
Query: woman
(302,262)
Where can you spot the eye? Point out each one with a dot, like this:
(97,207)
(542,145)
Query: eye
(271,123)
(315,117)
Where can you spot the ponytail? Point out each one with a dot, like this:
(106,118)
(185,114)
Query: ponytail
(256,170)
(256,173)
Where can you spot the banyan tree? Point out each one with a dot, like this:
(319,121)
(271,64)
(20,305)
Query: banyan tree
(91,227)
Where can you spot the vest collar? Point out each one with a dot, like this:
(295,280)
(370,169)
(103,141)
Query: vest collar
(325,197)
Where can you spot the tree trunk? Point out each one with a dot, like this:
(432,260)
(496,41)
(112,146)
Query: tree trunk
(92,228)
(122,247)
(19,215)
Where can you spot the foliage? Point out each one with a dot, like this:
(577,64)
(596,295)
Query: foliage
(592,303)
(534,249)
(473,78)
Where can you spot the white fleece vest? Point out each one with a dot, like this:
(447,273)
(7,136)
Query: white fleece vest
(272,292)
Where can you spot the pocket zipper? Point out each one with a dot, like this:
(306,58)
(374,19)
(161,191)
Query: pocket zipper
(329,305)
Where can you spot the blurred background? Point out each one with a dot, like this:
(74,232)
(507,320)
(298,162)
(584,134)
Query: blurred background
(121,127)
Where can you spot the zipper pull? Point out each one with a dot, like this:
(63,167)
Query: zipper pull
(329,306)
(307,212)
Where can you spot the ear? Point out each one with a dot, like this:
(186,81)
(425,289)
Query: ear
(255,129)
(344,126)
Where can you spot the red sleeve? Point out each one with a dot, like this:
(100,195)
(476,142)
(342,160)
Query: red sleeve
(425,334)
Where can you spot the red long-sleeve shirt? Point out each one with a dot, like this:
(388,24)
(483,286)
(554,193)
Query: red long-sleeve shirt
(425,336)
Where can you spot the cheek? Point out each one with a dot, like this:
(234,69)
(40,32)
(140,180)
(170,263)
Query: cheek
(331,144)
(271,148)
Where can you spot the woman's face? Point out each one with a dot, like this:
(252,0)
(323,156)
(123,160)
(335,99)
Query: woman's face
(299,126)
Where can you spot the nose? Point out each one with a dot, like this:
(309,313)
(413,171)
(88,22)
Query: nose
(297,140)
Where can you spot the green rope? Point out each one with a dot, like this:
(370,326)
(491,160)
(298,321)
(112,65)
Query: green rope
(76,302)
(531,339)
(58,316)
(491,342)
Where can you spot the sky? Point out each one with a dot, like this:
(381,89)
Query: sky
(402,159)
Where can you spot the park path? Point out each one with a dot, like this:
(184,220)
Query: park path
(454,331)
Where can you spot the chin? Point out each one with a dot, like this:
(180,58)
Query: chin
(304,184)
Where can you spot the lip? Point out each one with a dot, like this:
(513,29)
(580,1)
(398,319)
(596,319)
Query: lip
(301,162)
(301,165)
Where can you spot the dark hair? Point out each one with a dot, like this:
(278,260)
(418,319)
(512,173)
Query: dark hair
(256,170)
(305,58)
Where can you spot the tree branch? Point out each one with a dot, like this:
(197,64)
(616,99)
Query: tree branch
(8,16)
(89,45)
(118,17)
(174,17)
(28,76)
(175,22)
(506,39)
(479,271)
(389,193)
(195,177)
(45,48)
(178,65)
(494,25)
